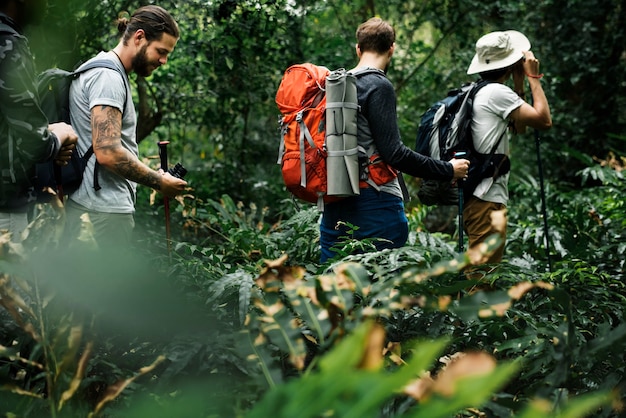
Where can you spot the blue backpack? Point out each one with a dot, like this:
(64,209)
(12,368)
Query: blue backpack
(443,132)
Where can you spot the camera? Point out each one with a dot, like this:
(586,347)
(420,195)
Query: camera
(178,171)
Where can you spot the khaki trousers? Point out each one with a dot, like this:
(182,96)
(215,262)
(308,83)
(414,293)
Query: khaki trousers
(478,225)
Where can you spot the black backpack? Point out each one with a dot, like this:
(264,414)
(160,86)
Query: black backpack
(53,86)
(443,132)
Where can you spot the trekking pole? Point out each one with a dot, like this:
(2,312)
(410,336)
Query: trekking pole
(459,184)
(166,200)
(461,246)
(543,200)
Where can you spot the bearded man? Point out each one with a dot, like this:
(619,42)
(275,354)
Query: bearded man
(104,117)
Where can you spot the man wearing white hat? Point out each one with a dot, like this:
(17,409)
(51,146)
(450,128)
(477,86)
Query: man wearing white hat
(499,110)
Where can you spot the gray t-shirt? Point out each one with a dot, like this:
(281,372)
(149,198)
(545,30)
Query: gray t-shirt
(97,87)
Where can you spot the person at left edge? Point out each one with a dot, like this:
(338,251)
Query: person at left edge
(26,137)
(103,114)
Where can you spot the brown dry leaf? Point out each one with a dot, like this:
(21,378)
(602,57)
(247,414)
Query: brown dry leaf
(78,376)
(466,365)
(5,352)
(291,277)
(393,347)
(14,303)
(340,280)
(612,161)
(276,272)
(420,389)
(444,302)
(298,361)
(310,338)
(268,282)
(407,302)
(497,309)
(312,295)
(520,289)
(418,277)
(274,264)
(343,280)
(373,354)
(477,413)
(260,340)
(476,254)
(447,360)
(20,391)
(269,310)
(115,389)
(73,343)
(544,285)
(326,282)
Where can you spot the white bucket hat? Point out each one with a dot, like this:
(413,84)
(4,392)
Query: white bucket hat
(497,50)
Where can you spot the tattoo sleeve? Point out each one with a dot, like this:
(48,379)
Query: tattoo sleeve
(106,126)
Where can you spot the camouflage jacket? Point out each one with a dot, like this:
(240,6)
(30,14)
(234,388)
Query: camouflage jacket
(24,136)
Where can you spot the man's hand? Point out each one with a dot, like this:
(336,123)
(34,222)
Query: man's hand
(530,64)
(64,132)
(68,138)
(171,186)
(461,168)
(65,154)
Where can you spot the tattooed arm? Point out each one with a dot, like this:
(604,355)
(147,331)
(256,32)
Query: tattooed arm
(106,127)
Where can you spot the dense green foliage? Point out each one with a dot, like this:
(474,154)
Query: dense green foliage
(241,320)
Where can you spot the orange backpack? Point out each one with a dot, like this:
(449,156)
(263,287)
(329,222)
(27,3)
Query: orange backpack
(301,100)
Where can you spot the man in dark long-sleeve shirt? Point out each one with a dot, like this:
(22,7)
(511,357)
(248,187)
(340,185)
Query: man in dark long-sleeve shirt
(378,212)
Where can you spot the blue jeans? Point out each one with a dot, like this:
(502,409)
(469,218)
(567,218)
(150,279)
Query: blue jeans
(377,214)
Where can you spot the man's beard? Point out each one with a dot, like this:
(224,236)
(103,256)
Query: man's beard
(140,63)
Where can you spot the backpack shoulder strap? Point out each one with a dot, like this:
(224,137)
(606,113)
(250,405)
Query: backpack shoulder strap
(97,63)
(366,70)
(478,85)
(100,63)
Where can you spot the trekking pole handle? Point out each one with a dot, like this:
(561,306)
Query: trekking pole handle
(163,154)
